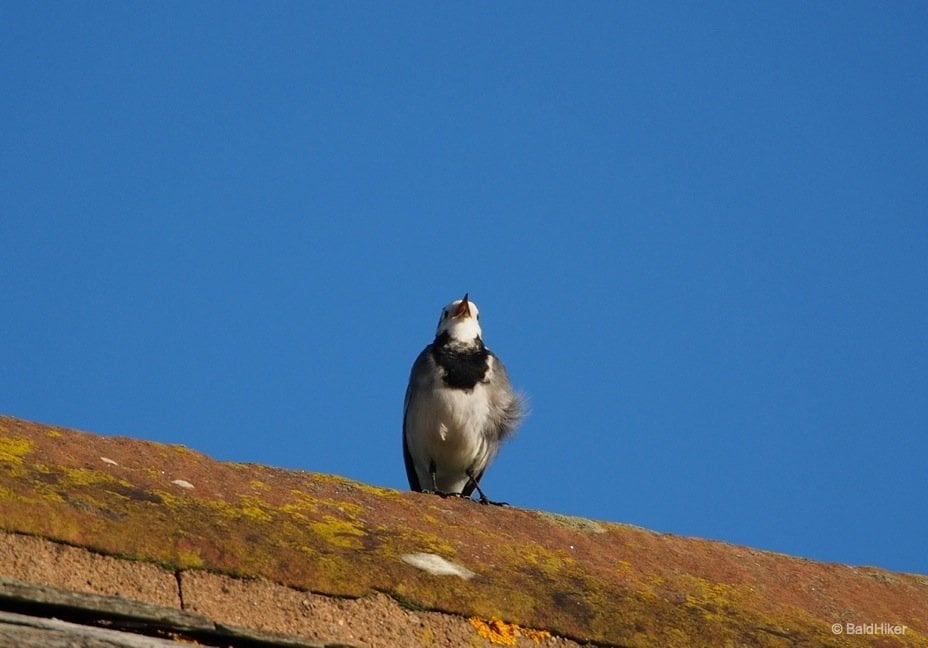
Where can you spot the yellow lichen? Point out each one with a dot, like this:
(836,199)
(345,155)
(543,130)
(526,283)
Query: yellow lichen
(302,503)
(349,508)
(293,511)
(53,433)
(339,532)
(187,559)
(435,544)
(376,490)
(254,509)
(501,633)
(704,593)
(549,561)
(86,476)
(13,449)
(219,507)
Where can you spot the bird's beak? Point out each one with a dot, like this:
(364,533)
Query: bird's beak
(463,309)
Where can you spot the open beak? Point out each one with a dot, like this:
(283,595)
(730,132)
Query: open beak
(463,309)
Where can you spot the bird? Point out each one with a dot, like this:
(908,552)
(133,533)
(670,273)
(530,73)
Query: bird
(459,407)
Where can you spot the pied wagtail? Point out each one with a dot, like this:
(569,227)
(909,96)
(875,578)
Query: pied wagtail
(459,407)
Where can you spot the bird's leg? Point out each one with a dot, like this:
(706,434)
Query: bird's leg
(483,497)
(434,479)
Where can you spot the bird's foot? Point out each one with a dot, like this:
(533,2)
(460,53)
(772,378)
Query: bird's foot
(441,493)
(483,497)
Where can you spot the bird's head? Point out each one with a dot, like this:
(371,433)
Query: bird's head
(460,320)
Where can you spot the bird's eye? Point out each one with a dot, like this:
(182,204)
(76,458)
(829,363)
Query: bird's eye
(444,315)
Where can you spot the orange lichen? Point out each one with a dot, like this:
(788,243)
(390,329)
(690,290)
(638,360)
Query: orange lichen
(495,630)
(537,636)
(501,633)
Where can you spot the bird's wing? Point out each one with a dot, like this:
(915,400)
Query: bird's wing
(418,379)
(410,469)
(508,406)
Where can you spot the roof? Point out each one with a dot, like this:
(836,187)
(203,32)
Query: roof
(178,523)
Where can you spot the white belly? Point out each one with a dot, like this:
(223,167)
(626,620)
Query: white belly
(446,426)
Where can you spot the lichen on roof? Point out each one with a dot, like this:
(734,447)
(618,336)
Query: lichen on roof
(590,580)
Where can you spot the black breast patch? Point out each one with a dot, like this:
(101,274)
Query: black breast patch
(463,368)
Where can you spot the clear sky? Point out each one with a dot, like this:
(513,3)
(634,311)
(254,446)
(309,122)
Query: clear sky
(697,235)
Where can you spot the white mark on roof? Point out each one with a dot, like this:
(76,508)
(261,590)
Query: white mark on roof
(437,565)
(182,483)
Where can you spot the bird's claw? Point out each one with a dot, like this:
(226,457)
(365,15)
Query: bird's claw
(441,493)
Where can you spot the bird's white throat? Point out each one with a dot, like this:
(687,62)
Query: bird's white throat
(461,329)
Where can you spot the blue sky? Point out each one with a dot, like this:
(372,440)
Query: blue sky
(698,237)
